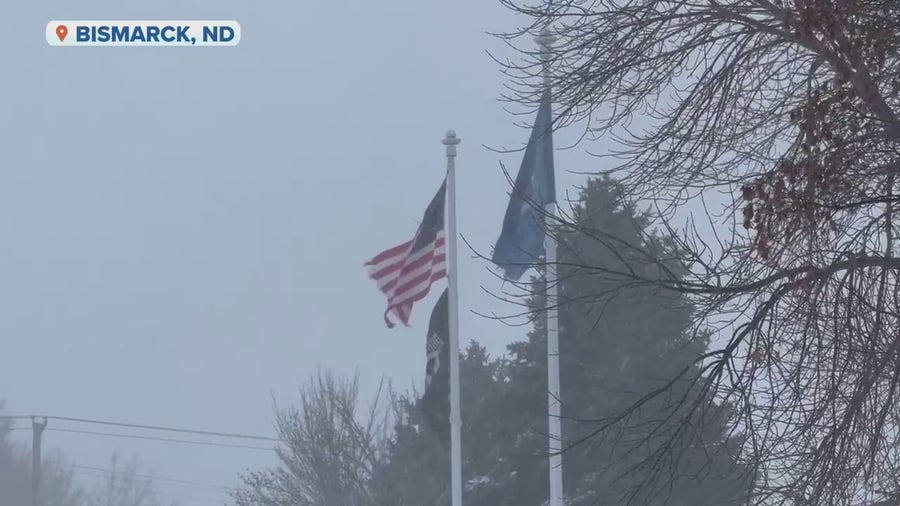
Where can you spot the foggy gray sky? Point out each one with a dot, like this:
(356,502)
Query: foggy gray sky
(182,230)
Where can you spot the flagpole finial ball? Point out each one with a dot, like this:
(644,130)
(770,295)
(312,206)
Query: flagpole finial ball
(451,139)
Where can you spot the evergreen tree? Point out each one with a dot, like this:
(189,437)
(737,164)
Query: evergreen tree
(417,469)
(617,344)
(620,342)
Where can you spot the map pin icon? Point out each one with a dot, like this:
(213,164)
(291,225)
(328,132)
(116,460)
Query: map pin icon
(61,32)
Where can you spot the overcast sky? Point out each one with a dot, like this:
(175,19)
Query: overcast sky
(182,230)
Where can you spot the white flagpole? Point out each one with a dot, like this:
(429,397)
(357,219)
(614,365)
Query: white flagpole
(453,319)
(545,41)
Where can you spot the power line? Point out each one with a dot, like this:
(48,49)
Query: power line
(152,478)
(157,479)
(149,427)
(165,429)
(151,438)
(155,482)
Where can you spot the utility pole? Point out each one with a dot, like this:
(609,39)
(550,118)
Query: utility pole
(37,428)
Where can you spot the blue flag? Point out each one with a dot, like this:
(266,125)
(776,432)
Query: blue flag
(521,242)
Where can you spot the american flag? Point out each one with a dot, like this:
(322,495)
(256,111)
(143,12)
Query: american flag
(406,272)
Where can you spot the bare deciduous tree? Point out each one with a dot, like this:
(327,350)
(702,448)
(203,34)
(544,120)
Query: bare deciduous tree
(329,451)
(790,109)
(124,486)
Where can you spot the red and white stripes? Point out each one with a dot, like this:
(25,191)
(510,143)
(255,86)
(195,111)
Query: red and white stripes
(406,276)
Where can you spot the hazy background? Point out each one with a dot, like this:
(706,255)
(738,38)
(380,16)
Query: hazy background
(182,230)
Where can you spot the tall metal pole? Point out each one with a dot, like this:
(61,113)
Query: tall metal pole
(37,430)
(453,319)
(545,41)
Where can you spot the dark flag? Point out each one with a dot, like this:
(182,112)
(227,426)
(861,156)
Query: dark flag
(406,272)
(521,242)
(436,399)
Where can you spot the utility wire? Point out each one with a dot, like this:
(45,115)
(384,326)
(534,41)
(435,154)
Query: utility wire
(152,478)
(165,429)
(156,482)
(150,438)
(148,427)
(105,473)
(158,479)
